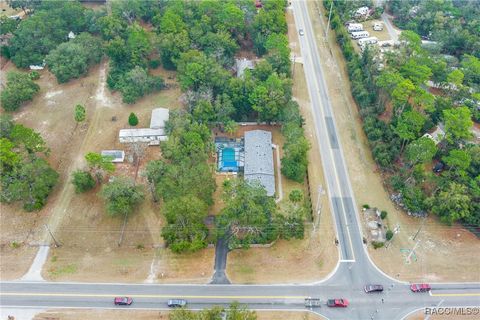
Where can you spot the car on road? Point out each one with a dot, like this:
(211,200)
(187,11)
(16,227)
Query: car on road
(301,32)
(337,303)
(373,288)
(420,287)
(122,301)
(176,303)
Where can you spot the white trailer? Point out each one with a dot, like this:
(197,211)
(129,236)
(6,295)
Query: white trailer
(360,34)
(369,40)
(352,27)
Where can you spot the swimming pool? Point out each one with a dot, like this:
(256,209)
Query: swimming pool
(227,160)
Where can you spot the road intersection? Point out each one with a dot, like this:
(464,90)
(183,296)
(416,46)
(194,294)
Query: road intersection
(353,271)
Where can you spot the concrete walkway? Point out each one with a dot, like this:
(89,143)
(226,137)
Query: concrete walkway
(35,271)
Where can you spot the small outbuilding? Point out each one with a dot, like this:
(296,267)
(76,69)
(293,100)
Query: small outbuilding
(116,155)
(153,135)
(241,65)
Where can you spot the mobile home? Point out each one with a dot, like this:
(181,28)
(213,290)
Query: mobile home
(377,26)
(365,41)
(352,27)
(360,34)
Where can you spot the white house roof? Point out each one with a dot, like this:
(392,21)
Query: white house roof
(259,159)
(143,132)
(159,117)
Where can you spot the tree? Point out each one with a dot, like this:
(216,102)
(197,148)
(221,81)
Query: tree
(418,73)
(452,203)
(27,138)
(72,59)
(99,165)
(137,82)
(24,4)
(185,231)
(122,196)
(458,122)
(83,181)
(458,159)
(295,162)
(409,125)
(248,213)
(269,98)
(421,150)
(456,77)
(80,113)
(132,119)
(400,95)
(20,88)
(30,183)
(389,235)
(296,195)
(8,157)
(7,24)
(234,312)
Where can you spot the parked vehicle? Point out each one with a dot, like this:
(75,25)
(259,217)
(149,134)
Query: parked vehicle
(377,26)
(420,287)
(373,288)
(352,27)
(337,303)
(360,34)
(122,301)
(300,32)
(176,303)
(312,303)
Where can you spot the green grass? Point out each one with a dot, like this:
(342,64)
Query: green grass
(123,262)
(68,269)
(245,269)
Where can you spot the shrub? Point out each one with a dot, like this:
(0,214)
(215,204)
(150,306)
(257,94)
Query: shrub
(15,244)
(154,64)
(383,214)
(377,244)
(389,235)
(366,206)
(132,119)
(20,88)
(34,75)
(83,181)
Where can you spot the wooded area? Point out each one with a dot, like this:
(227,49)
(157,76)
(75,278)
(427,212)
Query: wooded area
(399,107)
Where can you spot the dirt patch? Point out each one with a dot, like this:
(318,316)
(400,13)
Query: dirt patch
(315,256)
(420,315)
(442,250)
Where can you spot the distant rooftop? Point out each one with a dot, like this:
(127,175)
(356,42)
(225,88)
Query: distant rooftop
(242,65)
(259,159)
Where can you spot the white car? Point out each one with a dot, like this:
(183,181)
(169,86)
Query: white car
(300,32)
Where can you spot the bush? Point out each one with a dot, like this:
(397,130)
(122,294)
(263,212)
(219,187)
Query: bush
(15,244)
(34,75)
(383,214)
(366,206)
(377,244)
(389,235)
(132,119)
(20,88)
(83,181)
(154,64)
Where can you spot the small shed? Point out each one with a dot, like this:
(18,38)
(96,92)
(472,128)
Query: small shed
(116,155)
(71,35)
(159,117)
(241,65)
(437,134)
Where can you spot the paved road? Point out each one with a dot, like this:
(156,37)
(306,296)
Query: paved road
(354,270)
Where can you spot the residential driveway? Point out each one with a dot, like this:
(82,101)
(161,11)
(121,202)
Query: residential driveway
(221,252)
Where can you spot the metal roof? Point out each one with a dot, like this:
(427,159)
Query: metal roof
(259,159)
(117,155)
(159,117)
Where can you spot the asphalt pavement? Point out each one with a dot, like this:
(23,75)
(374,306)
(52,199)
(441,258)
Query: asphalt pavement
(355,268)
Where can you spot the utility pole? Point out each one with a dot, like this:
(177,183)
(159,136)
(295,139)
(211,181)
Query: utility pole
(419,228)
(57,244)
(329,16)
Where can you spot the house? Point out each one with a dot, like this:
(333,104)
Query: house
(363,11)
(258,159)
(116,155)
(153,135)
(437,134)
(241,65)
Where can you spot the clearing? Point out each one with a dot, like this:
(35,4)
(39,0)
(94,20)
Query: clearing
(292,261)
(442,250)
(89,238)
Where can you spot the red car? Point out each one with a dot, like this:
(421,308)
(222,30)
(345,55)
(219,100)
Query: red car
(337,303)
(123,301)
(420,287)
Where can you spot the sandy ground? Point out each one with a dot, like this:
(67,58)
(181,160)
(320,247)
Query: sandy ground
(293,261)
(151,315)
(420,315)
(442,250)
(88,237)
